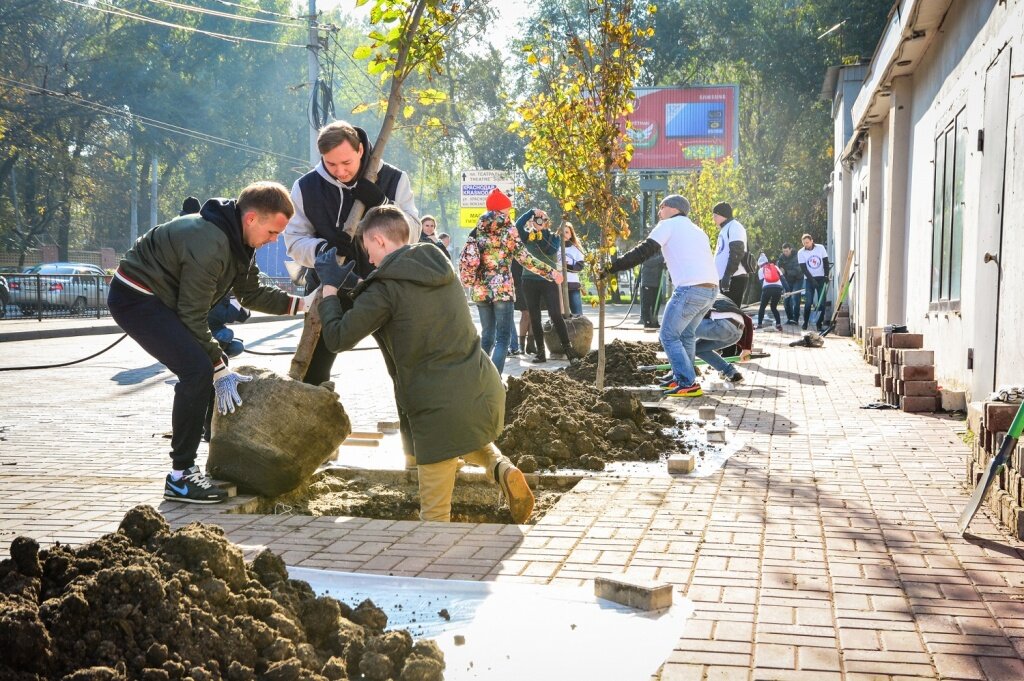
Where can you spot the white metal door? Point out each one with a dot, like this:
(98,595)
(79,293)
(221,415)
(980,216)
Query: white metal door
(991,263)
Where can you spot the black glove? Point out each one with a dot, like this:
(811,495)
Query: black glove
(332,274)
(723,284)
(607,270)
(368,193)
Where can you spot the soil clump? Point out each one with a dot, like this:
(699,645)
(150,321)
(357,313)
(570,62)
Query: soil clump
(621,361)
(154,604)
(555,421)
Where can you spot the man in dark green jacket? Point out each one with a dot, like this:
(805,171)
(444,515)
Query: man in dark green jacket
(444,382)
(163,291)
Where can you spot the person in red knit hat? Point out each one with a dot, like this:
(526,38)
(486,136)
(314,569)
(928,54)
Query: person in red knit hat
(484,268)
(498,202)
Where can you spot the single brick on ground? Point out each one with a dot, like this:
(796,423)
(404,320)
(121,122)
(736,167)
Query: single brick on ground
(633,592)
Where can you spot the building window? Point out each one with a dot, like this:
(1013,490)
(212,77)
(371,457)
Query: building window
(948,211)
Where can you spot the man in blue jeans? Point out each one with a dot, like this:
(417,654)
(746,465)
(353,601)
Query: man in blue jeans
(724,325)
(687,252)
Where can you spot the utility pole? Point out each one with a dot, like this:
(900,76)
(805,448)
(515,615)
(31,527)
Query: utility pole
(153,191)
(133,174)
(313,66)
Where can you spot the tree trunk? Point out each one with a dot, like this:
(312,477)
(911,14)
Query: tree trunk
(599,378)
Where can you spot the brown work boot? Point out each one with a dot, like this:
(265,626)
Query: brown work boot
(516,491)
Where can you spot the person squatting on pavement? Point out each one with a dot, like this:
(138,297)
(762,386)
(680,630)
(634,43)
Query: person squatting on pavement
(814,263)
(415,303)
(485,267)
(533,227)
(792,280)
(724,325)
(694,276)
(163,291)
(771,290)
(323,199)
(730,253)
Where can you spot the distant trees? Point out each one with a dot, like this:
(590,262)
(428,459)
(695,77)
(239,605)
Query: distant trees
(89,97)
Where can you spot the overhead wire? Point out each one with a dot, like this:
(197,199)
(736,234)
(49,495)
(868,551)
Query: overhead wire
(257,9)
(162,125)
(223,15)
(117,11)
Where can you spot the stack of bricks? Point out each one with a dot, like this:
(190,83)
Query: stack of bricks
(906,372)
(989,421)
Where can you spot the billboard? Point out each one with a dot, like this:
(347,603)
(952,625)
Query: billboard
(678,128)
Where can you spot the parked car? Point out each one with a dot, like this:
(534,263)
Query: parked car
(73,286)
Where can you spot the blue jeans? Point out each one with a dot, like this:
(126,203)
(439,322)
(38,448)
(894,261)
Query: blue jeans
(812,290)
(575,301)
(792,303)
(713,334)
(678,334)
(496,328)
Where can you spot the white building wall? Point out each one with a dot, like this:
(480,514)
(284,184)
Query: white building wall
(951,76)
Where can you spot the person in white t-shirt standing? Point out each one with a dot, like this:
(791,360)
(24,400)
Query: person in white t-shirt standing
(729,253)
(692,268)
(813,259)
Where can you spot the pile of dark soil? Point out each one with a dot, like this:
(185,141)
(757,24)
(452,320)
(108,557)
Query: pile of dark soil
(621,360)
(148,603)
(552,420)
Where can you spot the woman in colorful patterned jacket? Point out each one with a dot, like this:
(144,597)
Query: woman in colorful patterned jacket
(485,267)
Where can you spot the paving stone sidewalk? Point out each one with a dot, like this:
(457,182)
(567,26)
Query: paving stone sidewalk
(826,548)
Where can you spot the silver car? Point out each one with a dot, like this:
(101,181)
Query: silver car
(72,286)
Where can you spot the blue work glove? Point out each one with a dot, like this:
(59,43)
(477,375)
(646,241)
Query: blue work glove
(225,385)
(332,274)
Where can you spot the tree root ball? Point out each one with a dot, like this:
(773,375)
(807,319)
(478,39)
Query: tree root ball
(151,603)
(581,336)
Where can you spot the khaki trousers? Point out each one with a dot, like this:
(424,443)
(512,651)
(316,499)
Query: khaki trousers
(437,480)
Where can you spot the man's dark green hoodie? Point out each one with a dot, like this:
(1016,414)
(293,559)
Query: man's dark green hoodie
(191,262)
(443,380)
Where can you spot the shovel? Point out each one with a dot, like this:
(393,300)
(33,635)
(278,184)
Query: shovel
(998,461)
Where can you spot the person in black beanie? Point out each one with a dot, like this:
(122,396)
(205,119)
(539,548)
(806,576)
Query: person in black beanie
(730,253)
(190,206)
(792,279)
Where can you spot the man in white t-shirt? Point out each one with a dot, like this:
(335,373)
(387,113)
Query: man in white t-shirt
(687,253)
(729,253)
(813,259)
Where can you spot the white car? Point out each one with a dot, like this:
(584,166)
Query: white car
(59,285)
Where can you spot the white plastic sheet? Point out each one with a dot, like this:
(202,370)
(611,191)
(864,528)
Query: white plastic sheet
(517,632)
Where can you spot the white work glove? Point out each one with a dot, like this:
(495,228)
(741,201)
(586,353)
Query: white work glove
(225,385)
